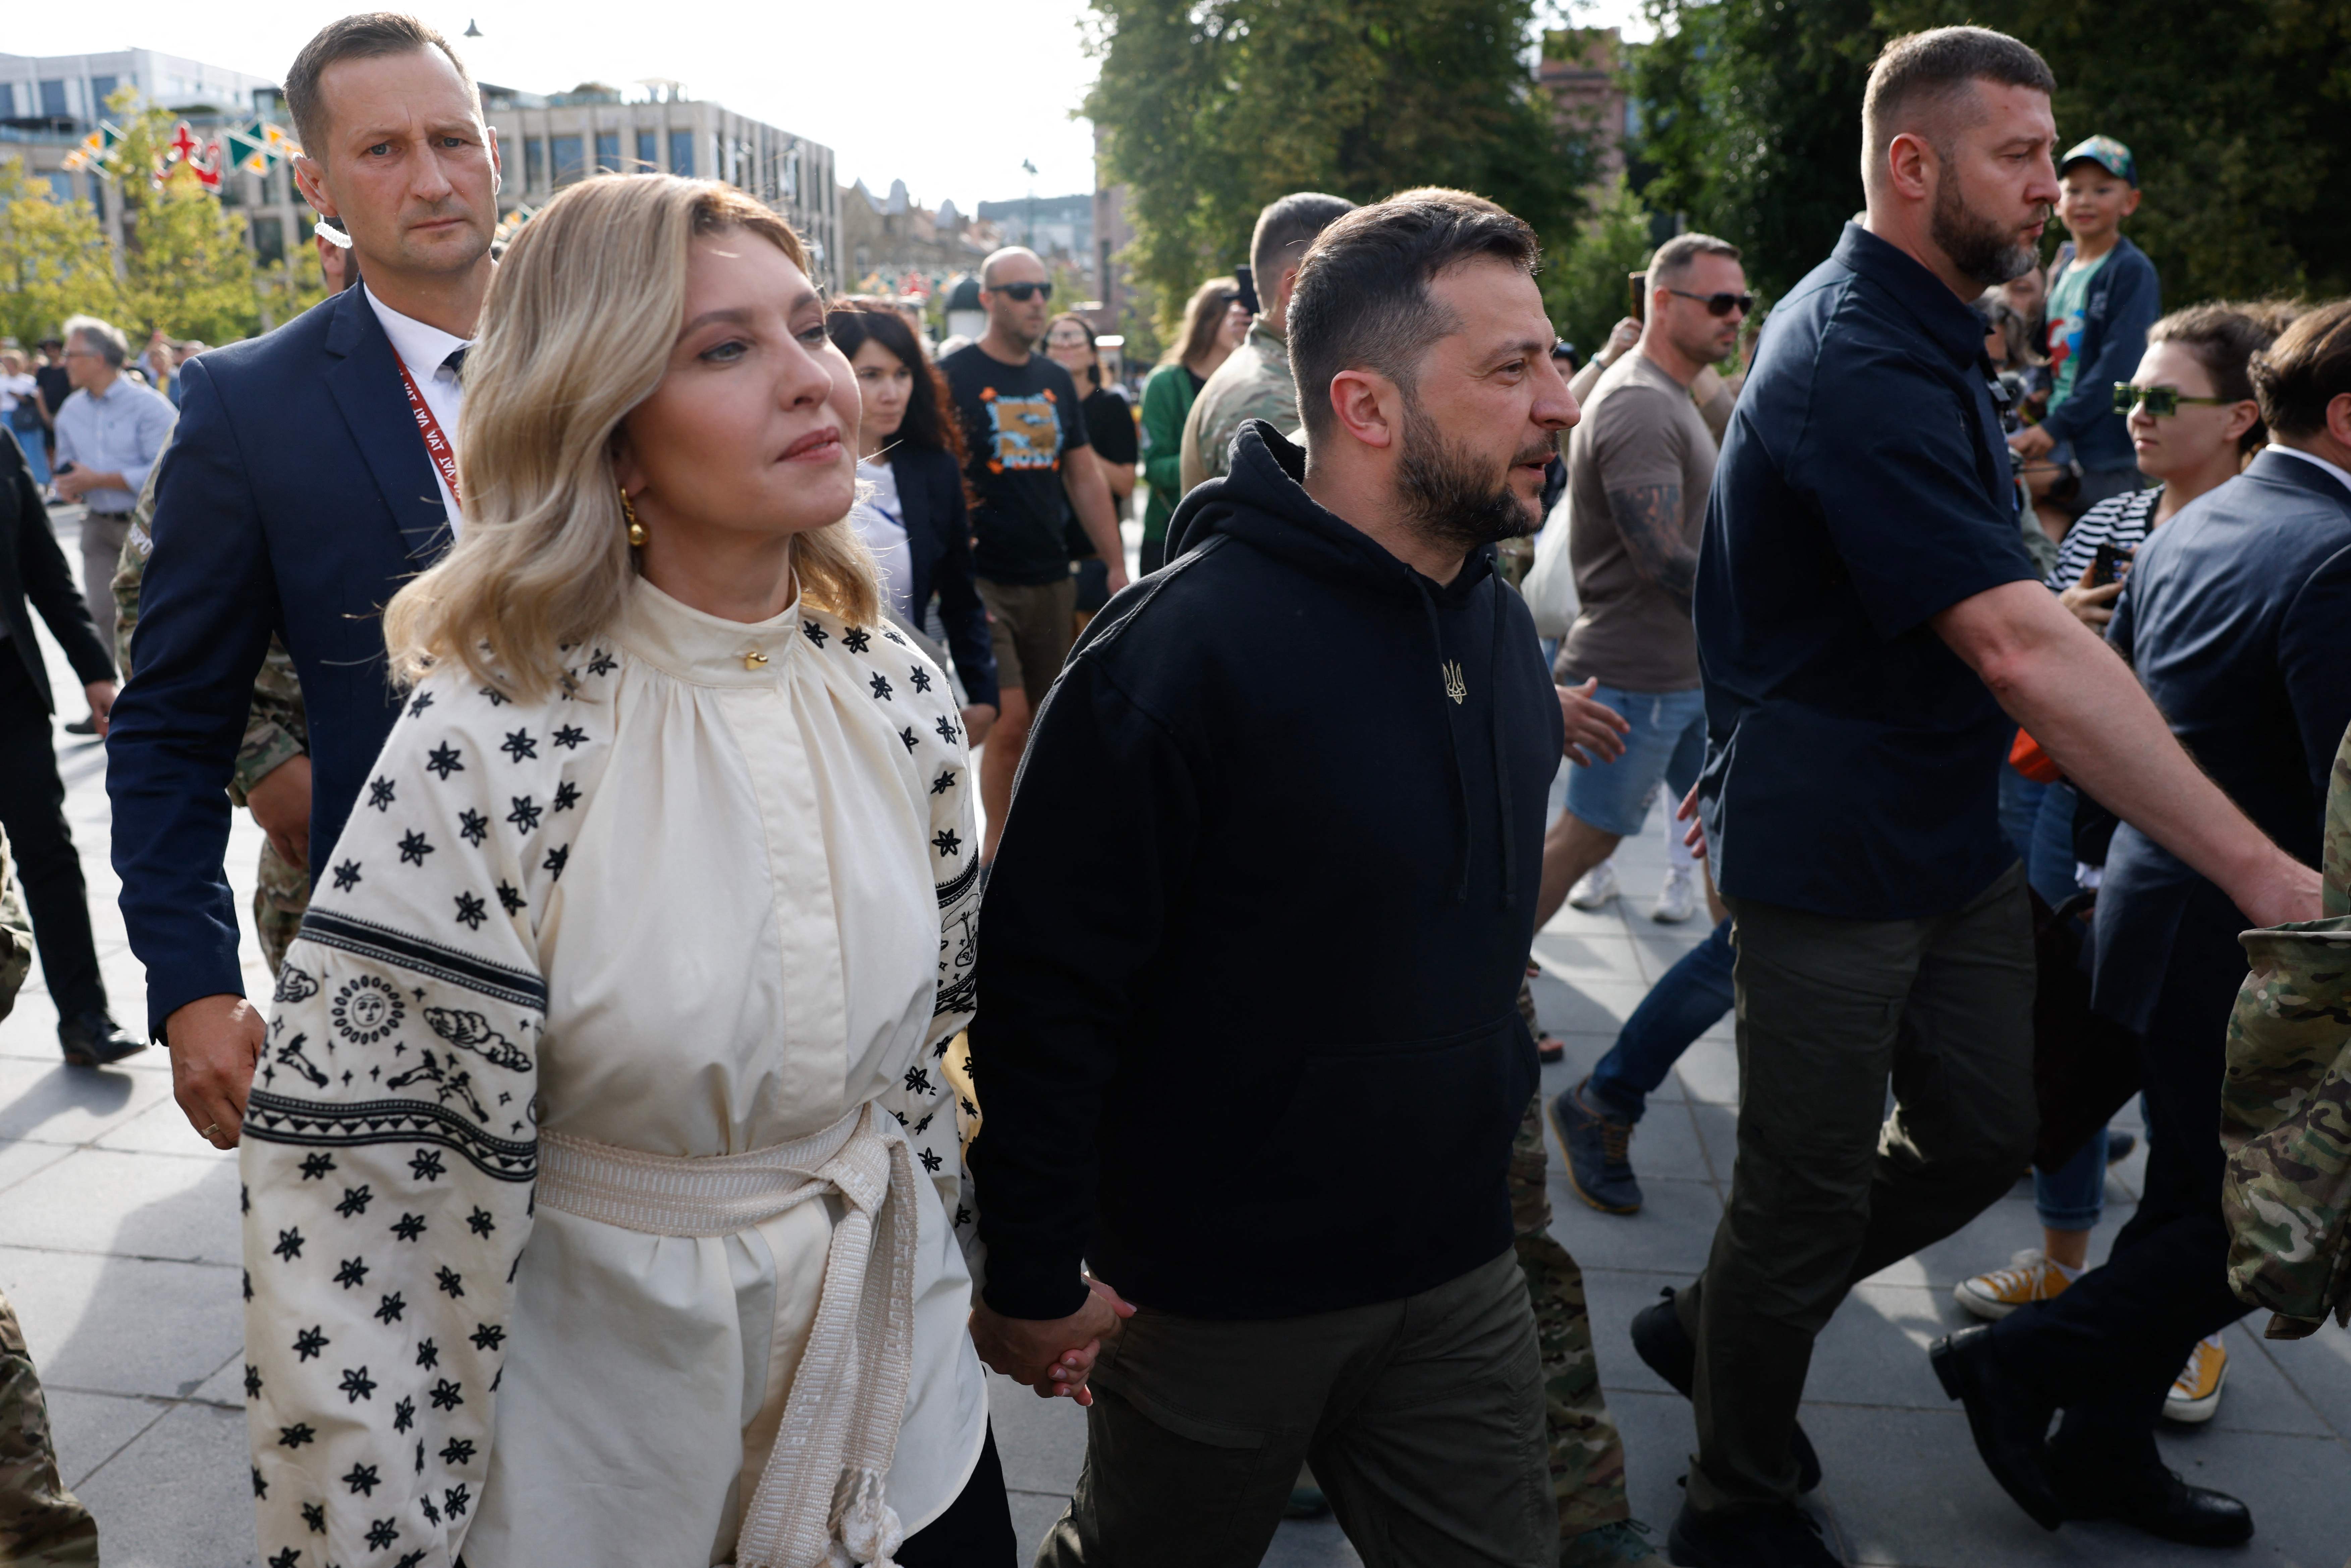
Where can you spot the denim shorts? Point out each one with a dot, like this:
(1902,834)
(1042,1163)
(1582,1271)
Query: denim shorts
(1666,745)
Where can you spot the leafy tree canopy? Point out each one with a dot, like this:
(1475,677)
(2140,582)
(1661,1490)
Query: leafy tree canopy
(1210,111)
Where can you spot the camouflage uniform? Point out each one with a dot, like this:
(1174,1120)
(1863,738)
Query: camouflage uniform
(275,731)
(2286,1105)
(40,1521)
(1587,1456)
(1254,383)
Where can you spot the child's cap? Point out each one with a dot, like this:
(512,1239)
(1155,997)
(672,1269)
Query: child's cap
(2108,154)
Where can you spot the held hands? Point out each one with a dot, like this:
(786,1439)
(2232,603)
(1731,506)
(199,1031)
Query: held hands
(1593,727)
(1052,1357)
(215,1041)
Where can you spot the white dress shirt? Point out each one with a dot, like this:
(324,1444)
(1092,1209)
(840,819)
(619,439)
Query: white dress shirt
(119,431)
(2342,476)
(425,350)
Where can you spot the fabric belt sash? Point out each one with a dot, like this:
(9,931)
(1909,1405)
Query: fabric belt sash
(819,1502)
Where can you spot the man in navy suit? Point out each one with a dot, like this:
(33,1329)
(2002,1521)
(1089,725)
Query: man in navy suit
(2234,617)
(302,492)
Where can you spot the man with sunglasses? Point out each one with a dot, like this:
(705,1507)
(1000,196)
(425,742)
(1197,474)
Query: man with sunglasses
(1639,468)
(1024,432)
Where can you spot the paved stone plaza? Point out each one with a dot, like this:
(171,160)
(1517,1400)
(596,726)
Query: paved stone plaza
(119,1247)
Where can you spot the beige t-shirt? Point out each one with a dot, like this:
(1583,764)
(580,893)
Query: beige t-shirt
(1639,428)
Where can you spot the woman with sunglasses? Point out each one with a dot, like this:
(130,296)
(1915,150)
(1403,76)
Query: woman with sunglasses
(912,514)
(1214,325)
(2193,423)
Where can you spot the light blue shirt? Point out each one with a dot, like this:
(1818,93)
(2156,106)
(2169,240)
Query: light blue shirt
(122,432)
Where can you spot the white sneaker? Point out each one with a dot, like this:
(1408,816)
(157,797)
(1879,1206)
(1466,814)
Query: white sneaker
(1595,888)
(2029,1277)
(1678,900)
(2194,1396)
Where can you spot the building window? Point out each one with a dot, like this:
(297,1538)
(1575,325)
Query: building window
(100,90)
(680,153)
(268,241)
(60,185)
(571,159)
(534,164)
(608,153)
(648,151)
(53,100)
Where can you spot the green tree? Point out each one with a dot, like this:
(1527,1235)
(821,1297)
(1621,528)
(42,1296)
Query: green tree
(53,259)
(185,267)
(1584,287)
(1209,111)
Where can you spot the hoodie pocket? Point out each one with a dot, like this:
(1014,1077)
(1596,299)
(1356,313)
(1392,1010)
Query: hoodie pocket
(1375,1136)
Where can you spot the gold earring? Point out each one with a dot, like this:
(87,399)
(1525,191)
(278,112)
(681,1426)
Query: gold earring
(629,511)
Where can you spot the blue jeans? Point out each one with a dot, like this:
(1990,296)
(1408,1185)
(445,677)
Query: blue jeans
(37,451)
(2072,1197)
(1666,744)
(1689,1000)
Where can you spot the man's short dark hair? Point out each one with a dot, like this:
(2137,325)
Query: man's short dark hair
(2307,367)
(1674,257)
(1919,77)
(1362,301)
(369,36)
(1285,229)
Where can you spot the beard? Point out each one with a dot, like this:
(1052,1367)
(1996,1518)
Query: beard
(1982,250)
(1454,498)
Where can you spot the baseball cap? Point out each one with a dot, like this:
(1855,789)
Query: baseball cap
(2108,154)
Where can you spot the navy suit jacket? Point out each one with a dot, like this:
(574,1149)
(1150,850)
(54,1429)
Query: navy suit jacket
(938,538)
(2237,617)
(297,500)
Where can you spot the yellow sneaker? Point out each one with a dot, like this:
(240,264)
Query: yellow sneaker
(2195,1394)
(2029,1277)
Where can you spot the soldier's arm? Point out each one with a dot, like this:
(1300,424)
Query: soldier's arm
(275,732)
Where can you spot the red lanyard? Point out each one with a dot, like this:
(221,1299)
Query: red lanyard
(436,445)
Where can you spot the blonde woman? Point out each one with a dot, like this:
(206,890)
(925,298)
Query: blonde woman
(603,1185)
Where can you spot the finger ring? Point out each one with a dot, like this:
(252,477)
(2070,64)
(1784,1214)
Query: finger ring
(207,1133)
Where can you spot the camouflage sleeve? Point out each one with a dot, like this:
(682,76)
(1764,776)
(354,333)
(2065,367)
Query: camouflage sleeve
(2335,858)
(1271,398)
(15,934)
(276,730)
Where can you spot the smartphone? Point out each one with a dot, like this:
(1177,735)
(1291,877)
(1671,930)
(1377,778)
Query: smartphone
(1637,284)
(1248,289)
(2108,564)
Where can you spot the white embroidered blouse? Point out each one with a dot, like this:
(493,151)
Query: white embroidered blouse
(711,900)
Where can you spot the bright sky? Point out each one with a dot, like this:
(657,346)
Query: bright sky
(949,97)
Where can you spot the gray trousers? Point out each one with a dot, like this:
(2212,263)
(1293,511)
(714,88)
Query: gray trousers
(101,552)
(1423,1419)
(1828,1188)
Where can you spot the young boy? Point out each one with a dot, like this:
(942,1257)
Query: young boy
(2103,297)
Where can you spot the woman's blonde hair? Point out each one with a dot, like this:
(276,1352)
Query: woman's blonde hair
(577,331)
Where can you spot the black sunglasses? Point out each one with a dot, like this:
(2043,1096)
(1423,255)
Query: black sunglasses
(1023,292)
(2162,402)
(1719,304)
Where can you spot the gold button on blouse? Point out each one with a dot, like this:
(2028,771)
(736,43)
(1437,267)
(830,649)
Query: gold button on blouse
(753,659)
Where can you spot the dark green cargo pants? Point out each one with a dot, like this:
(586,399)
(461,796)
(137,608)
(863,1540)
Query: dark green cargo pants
(1828,1188)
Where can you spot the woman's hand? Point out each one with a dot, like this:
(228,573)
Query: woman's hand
(1053,1357)
(2094,607)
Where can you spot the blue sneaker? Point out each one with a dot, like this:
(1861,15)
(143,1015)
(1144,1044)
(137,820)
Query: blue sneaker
(1599,1154)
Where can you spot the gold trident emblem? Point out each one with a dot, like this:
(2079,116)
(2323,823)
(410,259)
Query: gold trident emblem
(1454,686)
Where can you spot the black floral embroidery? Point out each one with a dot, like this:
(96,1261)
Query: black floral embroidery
(357,1384)
(473,827)
(813,632)
(471,910)
(855,640)
(526,813)
(347,876)
(379,793)
(570,737)
(443,760)
(519,744)
(511,896)
(416,708)
(414,848)
(554,864)
(919,676)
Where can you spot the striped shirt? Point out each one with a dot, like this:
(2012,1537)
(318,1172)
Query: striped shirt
(2122,521)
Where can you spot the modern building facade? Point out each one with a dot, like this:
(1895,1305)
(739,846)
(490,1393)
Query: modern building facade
(552,141)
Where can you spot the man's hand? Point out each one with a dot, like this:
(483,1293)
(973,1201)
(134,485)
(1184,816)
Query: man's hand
(2094,607)
(1052,1357)
(2032,441)
(1693,838)
(1118,578)
(978,720)
(280,801)
(214,1043)
(102,703)
(1621,339)
(71,483)
(2283,893)
(1592,726)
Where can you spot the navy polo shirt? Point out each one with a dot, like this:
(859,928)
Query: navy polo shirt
(1852,759)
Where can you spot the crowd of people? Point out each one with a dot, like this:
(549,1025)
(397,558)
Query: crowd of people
(670,676)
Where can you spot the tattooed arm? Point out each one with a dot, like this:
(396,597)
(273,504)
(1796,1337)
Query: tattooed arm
(1650,518)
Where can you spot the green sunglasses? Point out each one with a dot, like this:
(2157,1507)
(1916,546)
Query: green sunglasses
(2162,402)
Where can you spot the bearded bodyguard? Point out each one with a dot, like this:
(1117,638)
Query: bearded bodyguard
(1314,1213)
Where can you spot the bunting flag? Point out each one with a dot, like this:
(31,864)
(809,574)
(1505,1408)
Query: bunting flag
(92,151)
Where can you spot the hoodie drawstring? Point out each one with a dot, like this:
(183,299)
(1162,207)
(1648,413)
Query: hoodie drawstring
(1453,749)
(1501,774)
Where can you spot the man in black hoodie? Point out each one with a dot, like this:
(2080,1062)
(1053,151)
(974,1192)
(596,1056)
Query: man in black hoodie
(1318,743)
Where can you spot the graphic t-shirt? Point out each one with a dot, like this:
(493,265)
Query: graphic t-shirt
(2068,297)
(1018,420)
